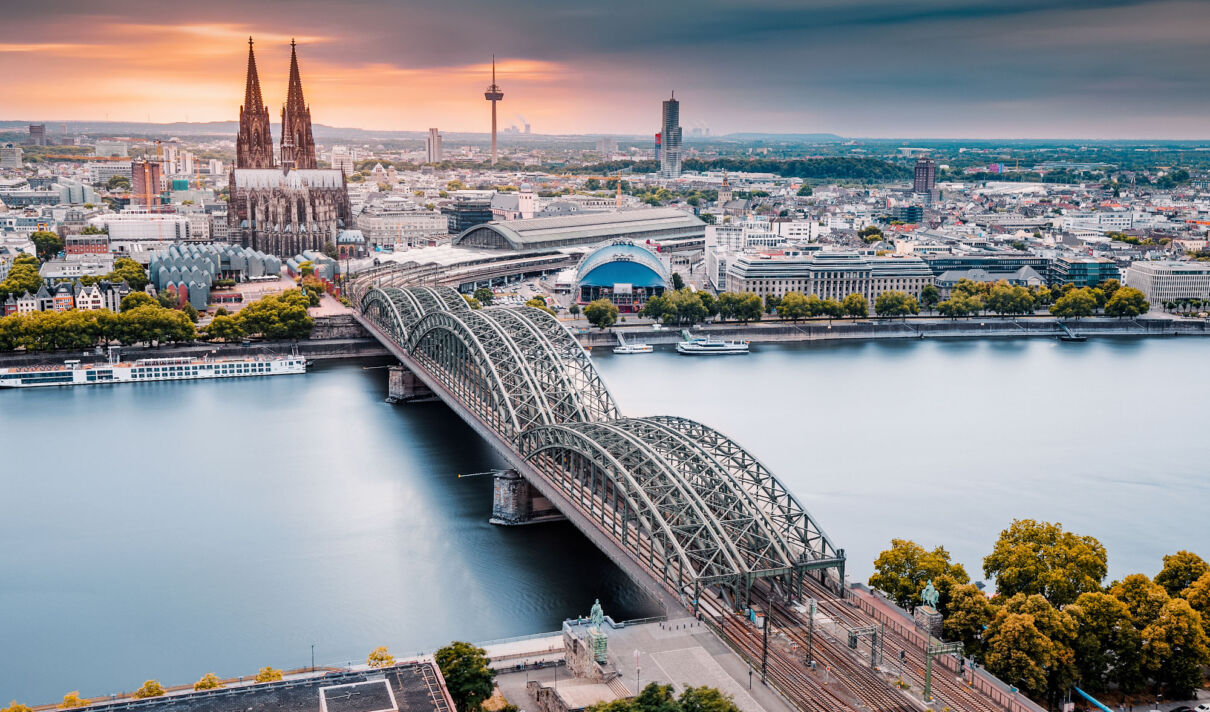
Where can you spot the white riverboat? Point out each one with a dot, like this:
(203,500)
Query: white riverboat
(74,373)
(703,346)
(631,348)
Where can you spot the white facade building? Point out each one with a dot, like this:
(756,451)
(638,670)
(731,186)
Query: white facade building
(1170,281)
(832,275)
(102,172)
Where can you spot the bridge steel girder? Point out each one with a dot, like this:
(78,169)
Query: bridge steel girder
(687,504)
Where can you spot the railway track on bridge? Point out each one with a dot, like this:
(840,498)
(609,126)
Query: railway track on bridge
(672,501)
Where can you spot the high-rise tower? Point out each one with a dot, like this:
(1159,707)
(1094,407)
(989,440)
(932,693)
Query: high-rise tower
(493,94)
(297,143)
(254,144)
(670,137)
(924,179)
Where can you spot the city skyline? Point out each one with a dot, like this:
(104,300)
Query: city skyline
(945,68)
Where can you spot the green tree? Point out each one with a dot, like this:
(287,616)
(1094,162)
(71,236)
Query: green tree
(895,303)
(485,296)
(466,674)
(224,328)
(706,699)
(209,681)
(573,309)
(128,271)
(1126,302)
(150,688)
(967,614)
(678,282)
(1142,596)
(22,277)
(930,297)
(749,308)
(659,308)
(1018,653)
(268,674)
(1075,304)
(472,302)
(134,300)
(306,268)
(792,306)
(72,700)
(1058,627)
(771,302)
(329,249)
(277,316)
(380,657)
(47,244)
(601,313)
(687,307)
(804,190)
(189,311)
(1175,648)
(870,234)
(856,305)
(903,571)
(1180,571)
(1107,646)
(726,305)
(1198,596)
(118,183)
(540,303)
(1039,557)
(960,305)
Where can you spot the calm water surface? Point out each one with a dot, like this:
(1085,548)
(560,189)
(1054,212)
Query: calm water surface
(167,530)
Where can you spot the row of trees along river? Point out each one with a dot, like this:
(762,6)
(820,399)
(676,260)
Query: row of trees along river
(1054,623)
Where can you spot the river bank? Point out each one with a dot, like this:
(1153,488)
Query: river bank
(333,338)
(916,328)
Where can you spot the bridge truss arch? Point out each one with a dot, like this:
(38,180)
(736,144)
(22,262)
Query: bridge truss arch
(691,505)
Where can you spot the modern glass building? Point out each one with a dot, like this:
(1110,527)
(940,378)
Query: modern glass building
(670,138)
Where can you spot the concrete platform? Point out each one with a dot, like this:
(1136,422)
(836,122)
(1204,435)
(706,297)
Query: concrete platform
(679,653)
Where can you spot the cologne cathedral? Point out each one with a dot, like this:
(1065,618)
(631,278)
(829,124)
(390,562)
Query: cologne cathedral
(297,206)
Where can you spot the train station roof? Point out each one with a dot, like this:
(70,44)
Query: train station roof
(641,224)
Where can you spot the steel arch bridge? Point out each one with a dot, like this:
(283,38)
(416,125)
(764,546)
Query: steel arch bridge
(689,505)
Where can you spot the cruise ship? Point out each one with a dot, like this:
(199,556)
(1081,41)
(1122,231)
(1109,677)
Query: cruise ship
(74,373)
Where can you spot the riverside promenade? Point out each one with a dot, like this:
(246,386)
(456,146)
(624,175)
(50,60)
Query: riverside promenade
(775,330)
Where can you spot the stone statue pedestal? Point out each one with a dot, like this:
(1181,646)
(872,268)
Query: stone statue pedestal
(928,620)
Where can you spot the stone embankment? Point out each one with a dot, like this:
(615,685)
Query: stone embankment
(821,330)
(334,337)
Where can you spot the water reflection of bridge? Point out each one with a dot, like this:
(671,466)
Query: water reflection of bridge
(673,502)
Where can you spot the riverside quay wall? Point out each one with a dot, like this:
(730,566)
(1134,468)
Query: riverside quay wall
(332,338)
(915,328)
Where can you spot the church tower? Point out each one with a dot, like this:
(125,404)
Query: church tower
(254,144)
(297,143)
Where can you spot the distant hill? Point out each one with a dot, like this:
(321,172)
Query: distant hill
(801,137)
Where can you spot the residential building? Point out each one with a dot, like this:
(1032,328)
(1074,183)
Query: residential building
(55,272)
(342,160)
(1170,281)
(78,246)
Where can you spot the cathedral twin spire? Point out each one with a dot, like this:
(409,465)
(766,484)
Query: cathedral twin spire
(254,144)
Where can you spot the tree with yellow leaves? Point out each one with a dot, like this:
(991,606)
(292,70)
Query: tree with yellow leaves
(268,674)
(380,657)
(209,681)
(150,688)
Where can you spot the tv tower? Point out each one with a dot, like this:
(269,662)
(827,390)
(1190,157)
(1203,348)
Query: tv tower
(493,94)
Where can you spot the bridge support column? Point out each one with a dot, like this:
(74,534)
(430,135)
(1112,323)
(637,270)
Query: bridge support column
(515,503)
(403,386)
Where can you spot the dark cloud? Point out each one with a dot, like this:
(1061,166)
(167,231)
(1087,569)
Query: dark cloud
(936,67)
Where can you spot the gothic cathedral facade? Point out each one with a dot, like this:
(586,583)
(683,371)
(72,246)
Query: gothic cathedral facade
(282,210)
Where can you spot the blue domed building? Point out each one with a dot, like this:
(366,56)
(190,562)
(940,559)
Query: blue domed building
(624,272)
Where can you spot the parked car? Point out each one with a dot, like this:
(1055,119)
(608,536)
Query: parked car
(1202,708)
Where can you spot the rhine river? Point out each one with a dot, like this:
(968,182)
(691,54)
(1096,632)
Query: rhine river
(166,530)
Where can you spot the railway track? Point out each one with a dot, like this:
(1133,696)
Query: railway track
(947,690)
